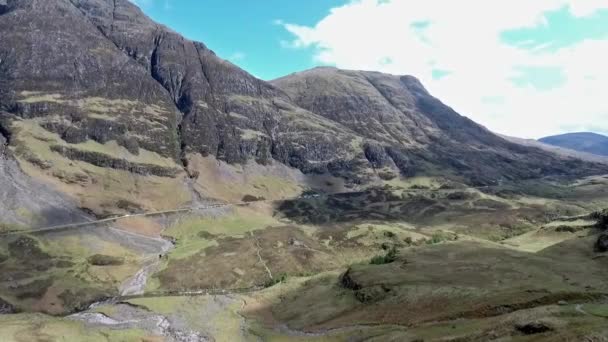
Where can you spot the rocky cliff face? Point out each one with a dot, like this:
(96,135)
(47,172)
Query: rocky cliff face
(106,104)
(418,132)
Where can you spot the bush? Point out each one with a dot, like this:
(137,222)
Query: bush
(388,258)
(105,260)
(602,218)
(251,198)
(389,234)
(439,237)
(276,280)
(419,187)
(567,229)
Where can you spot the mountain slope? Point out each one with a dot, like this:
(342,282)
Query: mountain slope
(109,101)
(123,114)
(583,142)
(562,151)
(398,112)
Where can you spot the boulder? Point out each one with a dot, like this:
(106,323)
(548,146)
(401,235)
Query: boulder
(533,328)
(602,243)
(6,307)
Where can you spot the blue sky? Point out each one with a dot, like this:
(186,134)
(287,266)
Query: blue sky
(521,67)
(244,31)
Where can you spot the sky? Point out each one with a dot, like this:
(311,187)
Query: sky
(525,68)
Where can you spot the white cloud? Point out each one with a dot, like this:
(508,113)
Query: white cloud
(148,3)
(463,37)
(237,56)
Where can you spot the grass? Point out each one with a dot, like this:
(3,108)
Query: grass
(389,257)
(249,134)
(37,327)
(600,310)
(238,222)
(189,247)
(162,305)
(441,236)
(311,301)
(38,141)
(204,313)
(99,189)
(415,182)
(56,276)
(11,227)
(37,97)
(220,180)
(443,276)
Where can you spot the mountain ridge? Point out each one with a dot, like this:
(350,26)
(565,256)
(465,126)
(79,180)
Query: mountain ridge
(580,141)
(110,100)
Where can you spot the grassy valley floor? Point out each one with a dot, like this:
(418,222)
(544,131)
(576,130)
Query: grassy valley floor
(418,259)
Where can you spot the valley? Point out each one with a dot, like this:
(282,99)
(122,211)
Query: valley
(300,268)
(152,191)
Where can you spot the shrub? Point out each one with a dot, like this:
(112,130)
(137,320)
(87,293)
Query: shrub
(388,258)
(419,187)
(105,260)
(568,229)
(275,280)
(439,237)
(251,198)
(389,234)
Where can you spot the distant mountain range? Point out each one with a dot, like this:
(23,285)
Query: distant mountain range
(583,141)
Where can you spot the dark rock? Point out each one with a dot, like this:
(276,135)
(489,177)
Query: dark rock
(601,218)
(347,282)
(3,143)
(602,243)
(5,307)
(404,164)
(533,328)
(376,155)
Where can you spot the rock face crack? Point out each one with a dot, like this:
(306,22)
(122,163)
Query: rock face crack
(203,69)
(5,136)
(113,18)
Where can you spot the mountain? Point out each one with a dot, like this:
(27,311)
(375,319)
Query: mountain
(419,133)
(121,114)
(584,141)
(565,152)
(369,213)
